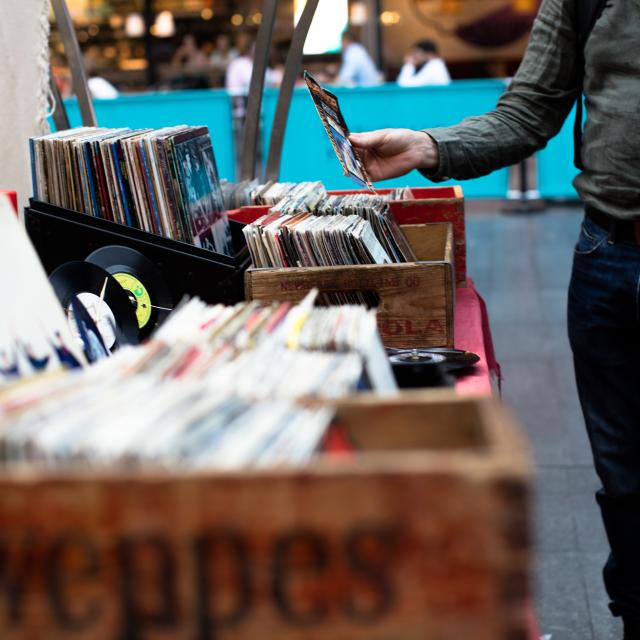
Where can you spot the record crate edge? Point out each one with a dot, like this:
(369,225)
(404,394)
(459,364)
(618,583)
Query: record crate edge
(416,299)
(421,532)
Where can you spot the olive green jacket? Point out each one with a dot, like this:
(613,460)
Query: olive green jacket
(541,95)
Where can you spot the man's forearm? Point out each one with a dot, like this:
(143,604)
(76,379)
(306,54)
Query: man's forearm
(528,114)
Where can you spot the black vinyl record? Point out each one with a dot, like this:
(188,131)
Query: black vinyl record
(454,359)
(138,276)
(77,278)
(415,368)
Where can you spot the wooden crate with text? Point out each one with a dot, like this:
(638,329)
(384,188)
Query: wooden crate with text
(416,300)
(420,533)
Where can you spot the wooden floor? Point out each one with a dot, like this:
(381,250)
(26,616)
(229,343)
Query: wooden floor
(521,264)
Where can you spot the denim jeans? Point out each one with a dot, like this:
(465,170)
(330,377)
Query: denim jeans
(604,331)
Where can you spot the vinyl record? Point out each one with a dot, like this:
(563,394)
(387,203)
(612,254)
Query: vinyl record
(87,281)
(413,357)
(415,368)
(455,359)
(136,274)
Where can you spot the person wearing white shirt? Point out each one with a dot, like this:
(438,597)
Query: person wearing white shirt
(358,69)
(102,89)
(423,66)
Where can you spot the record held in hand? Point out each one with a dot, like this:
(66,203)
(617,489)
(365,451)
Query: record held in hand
(139,277)
(102,296)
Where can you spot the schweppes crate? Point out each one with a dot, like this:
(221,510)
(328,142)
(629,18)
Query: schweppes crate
(415,300)
(420,533)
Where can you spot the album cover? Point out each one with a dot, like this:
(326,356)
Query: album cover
(201,193)
(163,181)
(328,109)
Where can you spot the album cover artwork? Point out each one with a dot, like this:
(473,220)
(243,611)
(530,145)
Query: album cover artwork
(201,192)
(328,109)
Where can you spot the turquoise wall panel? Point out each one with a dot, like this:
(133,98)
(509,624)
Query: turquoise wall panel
(197,107)
(307,152)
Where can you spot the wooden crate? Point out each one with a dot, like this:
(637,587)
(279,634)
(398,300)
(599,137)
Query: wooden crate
(429,205)
(416,300)
(422,534)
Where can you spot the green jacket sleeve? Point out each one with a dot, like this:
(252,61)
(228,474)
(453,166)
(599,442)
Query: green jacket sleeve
(529,113)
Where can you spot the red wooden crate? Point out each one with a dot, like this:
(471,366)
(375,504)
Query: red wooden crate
(430,204)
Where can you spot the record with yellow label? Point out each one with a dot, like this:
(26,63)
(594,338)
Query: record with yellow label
(142,281)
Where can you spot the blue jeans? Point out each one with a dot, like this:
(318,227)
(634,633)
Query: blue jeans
(604,331)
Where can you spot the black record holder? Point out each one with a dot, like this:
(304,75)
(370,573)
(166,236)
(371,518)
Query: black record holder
(60,235)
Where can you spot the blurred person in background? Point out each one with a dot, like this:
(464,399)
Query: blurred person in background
(423,66)
(358,69)
(240,69)
(223,53)
(99,87)
(188,56)
(604,293)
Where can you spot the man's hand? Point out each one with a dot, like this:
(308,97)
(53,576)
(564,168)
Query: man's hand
(389,153)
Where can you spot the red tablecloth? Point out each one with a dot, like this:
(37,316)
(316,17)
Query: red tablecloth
(472,333)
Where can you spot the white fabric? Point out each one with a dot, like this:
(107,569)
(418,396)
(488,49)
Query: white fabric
(433,72)
(239,76)
(358,68)
(102,89)
(24,88)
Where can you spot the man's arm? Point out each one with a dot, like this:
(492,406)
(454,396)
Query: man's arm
(530,112)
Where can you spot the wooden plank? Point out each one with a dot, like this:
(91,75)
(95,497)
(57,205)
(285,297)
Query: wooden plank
(428,544)
(427,241)
(414,309)
(449,210)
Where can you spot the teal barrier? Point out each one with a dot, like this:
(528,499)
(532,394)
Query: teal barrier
(555,164)
(197,107)
(307,153)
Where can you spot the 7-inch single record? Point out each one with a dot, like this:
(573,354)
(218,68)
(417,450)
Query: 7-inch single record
(138,276)
(415,368)
(101,294)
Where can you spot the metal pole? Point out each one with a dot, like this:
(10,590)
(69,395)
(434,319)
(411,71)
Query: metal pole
(377,33)
(256,87)
(59,115)
(149,48)
(291,72)
(76,62)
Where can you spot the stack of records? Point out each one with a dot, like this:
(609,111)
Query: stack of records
(162,181)
(216,387)
(305,240)
(253,193)
(342,230)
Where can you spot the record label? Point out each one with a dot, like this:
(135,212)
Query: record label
(140,294)
(101,295)
(141,280)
